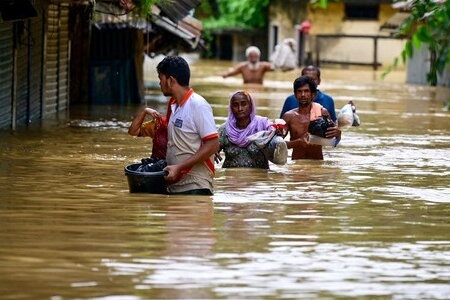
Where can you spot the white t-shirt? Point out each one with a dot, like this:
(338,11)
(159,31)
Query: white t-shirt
(189,125)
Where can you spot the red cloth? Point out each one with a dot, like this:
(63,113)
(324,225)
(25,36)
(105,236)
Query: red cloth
(159,147)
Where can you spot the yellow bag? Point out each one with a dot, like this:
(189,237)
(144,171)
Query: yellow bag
(149,128)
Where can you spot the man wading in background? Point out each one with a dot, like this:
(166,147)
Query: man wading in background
(253,69)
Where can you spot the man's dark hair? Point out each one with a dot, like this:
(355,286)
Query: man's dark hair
(302,80)
(176,67)
(311,68)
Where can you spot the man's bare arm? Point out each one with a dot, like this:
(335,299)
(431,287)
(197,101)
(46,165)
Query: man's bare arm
(300,142)
(135,127)
(268,67)
(331,131)
(286,117)
(293,143)
(234,71)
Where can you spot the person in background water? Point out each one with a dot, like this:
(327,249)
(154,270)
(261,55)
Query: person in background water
(253,69)
(242,122)
(284,56)
(321,98)
(298,119)
(192,134)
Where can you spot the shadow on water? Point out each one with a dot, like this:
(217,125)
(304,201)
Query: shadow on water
(369,221)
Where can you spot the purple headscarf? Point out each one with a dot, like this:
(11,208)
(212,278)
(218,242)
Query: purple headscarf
(239,136)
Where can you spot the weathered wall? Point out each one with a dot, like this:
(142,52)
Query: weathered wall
(285,15)
(331,21)
(56,96)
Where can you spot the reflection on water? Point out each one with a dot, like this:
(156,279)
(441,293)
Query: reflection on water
(371,220)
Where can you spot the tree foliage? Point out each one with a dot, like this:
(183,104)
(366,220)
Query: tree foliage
(144,6)
(322,3)
(246,14)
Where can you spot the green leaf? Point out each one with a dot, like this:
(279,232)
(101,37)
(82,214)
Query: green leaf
(442,59)
(395,63)
(423,34)
(385,73)
(432,78)
(408,49)
(403,55)
(320,3)
(416,41)
(324,3)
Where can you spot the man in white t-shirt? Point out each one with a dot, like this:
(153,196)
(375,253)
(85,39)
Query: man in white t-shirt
(192,132)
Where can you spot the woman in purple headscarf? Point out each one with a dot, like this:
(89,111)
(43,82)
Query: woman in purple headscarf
(233,135)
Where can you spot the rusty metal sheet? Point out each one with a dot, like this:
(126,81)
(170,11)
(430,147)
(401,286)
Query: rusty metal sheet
(6,64)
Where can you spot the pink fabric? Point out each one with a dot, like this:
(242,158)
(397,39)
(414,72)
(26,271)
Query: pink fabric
(315,112)
(239,136)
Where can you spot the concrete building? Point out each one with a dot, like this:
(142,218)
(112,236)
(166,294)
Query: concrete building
(346,33)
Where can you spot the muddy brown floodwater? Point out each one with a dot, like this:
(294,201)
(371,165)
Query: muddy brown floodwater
(370,221)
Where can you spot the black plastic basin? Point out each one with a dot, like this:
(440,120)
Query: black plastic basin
(145,182)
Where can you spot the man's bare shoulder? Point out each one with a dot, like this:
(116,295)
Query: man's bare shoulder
(241,65)
(290,114)
(266,65)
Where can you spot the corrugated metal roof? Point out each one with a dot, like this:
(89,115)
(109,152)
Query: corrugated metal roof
(185,28)
(177,9)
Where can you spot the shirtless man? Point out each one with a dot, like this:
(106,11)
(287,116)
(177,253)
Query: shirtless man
(297,120)
(323,99)
(253,69)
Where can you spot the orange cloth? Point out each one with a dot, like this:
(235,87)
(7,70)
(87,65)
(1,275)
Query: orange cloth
(148,128)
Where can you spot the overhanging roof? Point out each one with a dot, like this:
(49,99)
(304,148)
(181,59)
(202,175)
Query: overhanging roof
(177,9)
(188,28)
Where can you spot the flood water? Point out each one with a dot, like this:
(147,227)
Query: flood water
(370,221)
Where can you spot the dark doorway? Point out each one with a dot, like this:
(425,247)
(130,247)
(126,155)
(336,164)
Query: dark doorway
(224,47)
